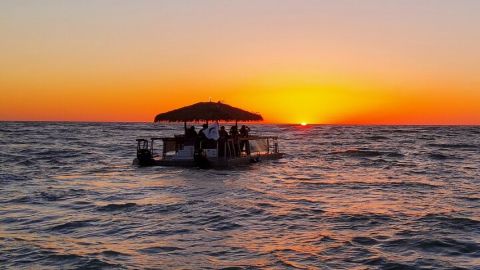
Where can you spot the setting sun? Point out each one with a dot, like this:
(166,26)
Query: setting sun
(303,124)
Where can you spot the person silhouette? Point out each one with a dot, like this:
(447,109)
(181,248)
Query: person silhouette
(244,144)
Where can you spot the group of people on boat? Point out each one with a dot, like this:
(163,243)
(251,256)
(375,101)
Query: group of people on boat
(230,143)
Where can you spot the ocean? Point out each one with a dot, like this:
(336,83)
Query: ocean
(343,197)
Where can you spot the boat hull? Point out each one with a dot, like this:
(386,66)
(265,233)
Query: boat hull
(212,162)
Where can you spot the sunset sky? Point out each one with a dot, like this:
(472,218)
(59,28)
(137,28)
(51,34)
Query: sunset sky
(328,62)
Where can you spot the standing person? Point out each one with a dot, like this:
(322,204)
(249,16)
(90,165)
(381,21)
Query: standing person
(234,136)
(191,133)
(209,136)
(233,131)
(223,133)
(202,131)
(201,138)
(190,136)
(222,142)
(244,130)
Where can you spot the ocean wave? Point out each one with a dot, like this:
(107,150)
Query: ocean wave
(44,258)
(362,220)
(39,197)
(117,207)
(444,245)
(159,249)
(468,198)
(453,145)
(378,138)
(161,208)
(392,184)
(20,199)
(48,258)
(6,177)
(438,156)
(57,153)
(113,253)
(224,226)
(25,162)
(362,240)
(368,153)
(452,222)
(71,226)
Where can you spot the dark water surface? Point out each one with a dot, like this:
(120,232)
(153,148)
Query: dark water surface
(343,198)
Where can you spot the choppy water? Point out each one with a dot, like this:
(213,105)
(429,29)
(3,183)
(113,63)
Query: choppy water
(343,198)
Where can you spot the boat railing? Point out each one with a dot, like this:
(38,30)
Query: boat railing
(241,146)
(221,149)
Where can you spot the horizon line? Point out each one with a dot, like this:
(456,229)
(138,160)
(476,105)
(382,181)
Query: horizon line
(254,122)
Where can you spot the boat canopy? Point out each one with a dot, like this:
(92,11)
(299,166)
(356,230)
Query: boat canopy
(208,111)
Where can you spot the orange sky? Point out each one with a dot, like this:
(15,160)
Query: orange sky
(330,62)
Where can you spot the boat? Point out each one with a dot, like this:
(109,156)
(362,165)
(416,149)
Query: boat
(211,150)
